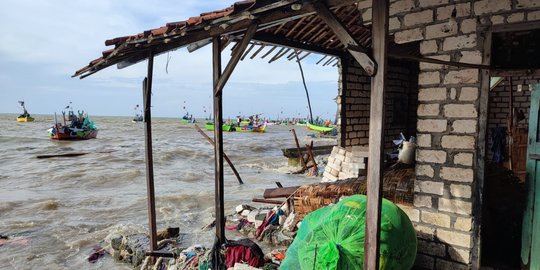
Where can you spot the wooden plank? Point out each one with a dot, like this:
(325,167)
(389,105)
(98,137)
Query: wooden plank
(151,201)
(481,152)
(435,61)
(345,37)
(237,54)
(267,201)
(218,146)
(285,192)
(376,136)
(515,27)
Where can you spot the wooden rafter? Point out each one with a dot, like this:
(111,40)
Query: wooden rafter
(346,38)
(237,54)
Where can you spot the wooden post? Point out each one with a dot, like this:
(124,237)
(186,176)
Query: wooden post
(218,144)
(147,100)
(376,136)
(343,98)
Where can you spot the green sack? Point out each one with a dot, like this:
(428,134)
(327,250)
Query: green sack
(333,238)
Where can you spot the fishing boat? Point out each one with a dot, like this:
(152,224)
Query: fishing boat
(76,127)
(226,127)
(256,128)
(318,128)
(138,117)
(25,116)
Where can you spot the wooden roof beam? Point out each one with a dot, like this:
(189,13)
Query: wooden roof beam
(237,54)
(346,38)
(280,41)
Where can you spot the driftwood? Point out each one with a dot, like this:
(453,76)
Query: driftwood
(270,193)
(63,155)
(266,201)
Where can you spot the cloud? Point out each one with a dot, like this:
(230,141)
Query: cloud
(44,42)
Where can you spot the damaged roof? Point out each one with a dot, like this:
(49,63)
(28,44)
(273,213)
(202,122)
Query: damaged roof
(285,23)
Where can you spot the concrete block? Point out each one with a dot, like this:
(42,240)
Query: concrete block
(422,17)
(459,42)
(437,219)
(468,94)
(460,191)
(491,6)
(441,30)
(454,238)
(430,187)
(432,94)
(463,224)
(461,76)
(428,110)
(464,126)
(431,125)
(422,201)
(465,159)
(455,206)
(408,36)
(460,110)
(458,142)
(426,78)
(464,175)
(431,156)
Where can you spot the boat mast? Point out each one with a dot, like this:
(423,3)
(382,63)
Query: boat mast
(305,87)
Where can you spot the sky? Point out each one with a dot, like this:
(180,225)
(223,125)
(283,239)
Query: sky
(44,42)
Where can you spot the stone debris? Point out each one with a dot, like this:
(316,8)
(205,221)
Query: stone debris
(345,164)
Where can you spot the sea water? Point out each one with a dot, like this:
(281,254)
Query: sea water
(59,208)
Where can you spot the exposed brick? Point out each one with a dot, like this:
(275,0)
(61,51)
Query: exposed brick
(497,19)
(468,26)
(422,201)
(454,238)
(455,206)
(491,6)
(437,219)
(460,255)
(428,109)
(462,10)
(446,265)
(408,36)
(533,16)
(471,57)
(401,6)
(412,213)
(527,4)
(515,17)
(432,94)
(440,30)
(431,125)
(424,170)
(424,232)
(463,159)
(457,142)
(423,140)
(460,110)
(457,174)
(431,248)
(429,66)
(428,46)
(463,224)
(430,187)
(431,156)
(461,76)
(461,191)
(421,17)
(394,23)
(468,94)
(464,126)
(430,3)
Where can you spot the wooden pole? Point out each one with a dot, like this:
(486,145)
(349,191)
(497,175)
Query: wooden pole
(300,154)
(224,155)
(376,136)
(147,99)
(305,88)
(343,105)
(218,146)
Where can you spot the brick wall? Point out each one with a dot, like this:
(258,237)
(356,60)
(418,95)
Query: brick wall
(499,103)
(448,113)
(401,102)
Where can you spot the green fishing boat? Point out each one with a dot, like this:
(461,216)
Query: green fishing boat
(226,127)
(311,126)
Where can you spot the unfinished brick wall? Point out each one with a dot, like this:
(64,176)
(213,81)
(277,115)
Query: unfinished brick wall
(448,111)
(499,103)
(401,102)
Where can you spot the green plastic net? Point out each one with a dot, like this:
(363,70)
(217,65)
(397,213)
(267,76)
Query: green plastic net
(333,238)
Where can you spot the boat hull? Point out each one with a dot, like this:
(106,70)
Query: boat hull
(318,128)
(73,134)
(25,119)
(226,127)
(259,129)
